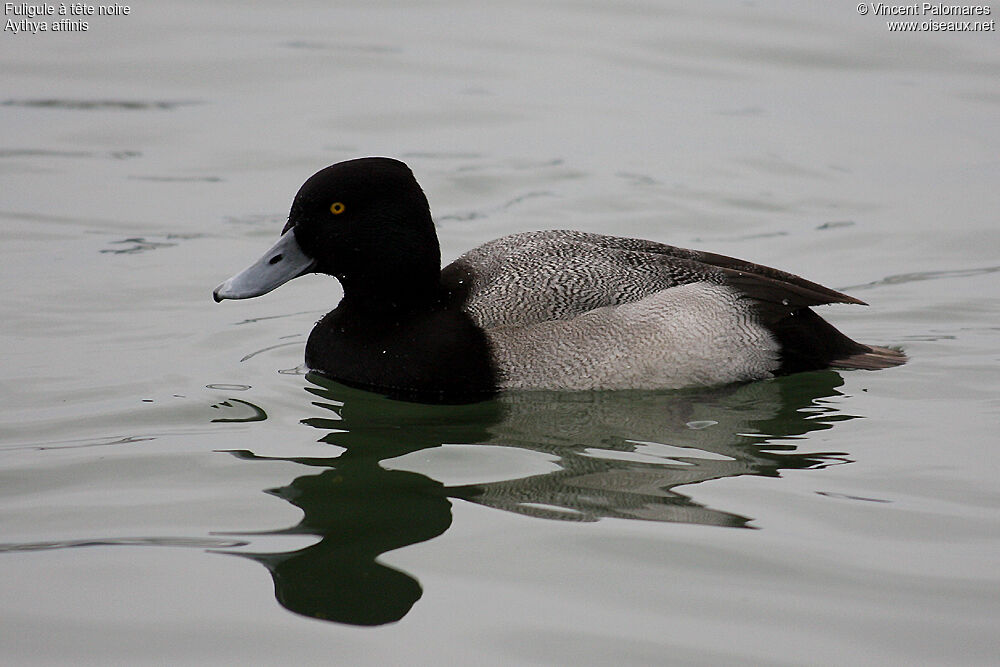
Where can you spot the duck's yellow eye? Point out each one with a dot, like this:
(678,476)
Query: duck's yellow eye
(337,207)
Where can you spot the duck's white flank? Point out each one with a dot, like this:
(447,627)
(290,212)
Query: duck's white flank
(695,334)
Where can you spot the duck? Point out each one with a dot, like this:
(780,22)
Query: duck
(555,310)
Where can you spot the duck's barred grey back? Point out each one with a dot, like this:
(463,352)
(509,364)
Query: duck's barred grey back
(560,274)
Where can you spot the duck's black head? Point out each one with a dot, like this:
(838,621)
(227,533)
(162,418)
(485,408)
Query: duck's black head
(365,221)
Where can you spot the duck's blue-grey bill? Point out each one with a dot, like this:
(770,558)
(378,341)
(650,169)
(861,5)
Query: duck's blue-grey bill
(282,262)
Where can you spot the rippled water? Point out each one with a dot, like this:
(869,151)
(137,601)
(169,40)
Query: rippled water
(175,490)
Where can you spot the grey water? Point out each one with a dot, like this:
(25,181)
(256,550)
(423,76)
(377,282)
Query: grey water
(175,489)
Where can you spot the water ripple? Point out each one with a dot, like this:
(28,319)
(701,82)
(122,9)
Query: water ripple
(92,105)
(196,542)
(268,349)
(901,278)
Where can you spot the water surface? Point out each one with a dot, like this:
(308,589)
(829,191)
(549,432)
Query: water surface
(174,489)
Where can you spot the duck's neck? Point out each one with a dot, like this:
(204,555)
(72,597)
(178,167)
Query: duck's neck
(392,294)
(391,306)
(405,277)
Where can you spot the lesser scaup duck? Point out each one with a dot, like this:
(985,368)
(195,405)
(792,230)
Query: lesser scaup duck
(560,310)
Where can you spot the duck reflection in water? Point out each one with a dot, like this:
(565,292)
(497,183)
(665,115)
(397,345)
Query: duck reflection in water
(617,454)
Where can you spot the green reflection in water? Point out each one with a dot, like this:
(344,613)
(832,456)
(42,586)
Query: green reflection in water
(360,512)
(618,454)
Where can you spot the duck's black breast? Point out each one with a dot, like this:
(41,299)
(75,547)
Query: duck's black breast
(431,354)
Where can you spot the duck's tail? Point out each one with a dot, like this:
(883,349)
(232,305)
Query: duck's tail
(876,358)
(808,343)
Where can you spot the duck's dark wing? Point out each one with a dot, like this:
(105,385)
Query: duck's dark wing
(698,261)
